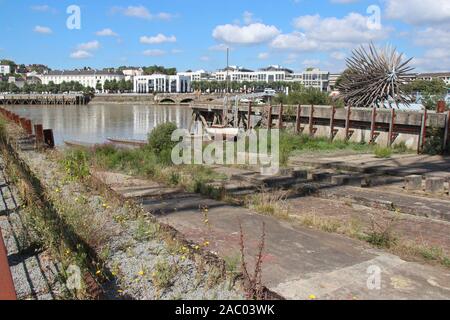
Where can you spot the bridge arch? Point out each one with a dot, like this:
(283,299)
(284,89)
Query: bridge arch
(187,100)
(167,101)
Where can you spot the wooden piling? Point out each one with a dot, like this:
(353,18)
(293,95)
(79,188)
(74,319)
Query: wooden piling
(311,121)
(347,123)
(423,132)
(373,125)
(332,118)
(298,119)
(249,116)
(391,128)
(269,118)
(280,119)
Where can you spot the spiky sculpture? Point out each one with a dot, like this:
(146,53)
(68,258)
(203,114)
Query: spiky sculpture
(374,77)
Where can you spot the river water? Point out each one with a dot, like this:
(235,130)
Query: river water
(95,123)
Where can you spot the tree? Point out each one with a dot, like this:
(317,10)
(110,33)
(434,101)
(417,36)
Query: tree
(99,86)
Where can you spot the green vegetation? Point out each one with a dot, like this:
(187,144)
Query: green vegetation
(432,91)
(151,161)
(163,274)
(159,70)
(290,143)
(304,96)
(51,87)
(383,152)
(75,165)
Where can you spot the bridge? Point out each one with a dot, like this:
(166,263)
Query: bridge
(43,99)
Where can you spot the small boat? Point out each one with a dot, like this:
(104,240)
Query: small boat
(79,144)
(129,142)
(227,133)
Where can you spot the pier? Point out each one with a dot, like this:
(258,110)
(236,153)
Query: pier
(378,126)
(44,99)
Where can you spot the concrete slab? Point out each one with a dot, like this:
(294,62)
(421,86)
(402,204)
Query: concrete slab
(399,165)
(295,258)
(411,204)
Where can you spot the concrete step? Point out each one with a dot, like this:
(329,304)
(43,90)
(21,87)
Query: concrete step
(391,200)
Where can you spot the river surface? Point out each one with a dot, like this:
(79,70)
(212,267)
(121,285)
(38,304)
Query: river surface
(96,123)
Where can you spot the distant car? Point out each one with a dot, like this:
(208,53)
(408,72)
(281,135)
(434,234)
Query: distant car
(270,91)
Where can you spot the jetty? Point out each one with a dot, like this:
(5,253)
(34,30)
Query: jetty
(44,99)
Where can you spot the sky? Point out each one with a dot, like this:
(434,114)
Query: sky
(194,34)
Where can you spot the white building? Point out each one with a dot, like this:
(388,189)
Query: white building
(161,83)
(200,75)
(5,69)
(313,78)
(132,72)
(444,76)
(88,78)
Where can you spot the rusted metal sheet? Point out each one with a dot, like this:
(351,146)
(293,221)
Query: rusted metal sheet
(48,138)
(7,290)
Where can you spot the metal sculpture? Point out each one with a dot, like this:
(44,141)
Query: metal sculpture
(374,77)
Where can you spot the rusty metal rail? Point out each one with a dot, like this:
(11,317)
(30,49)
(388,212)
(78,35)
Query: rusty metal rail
(7,290)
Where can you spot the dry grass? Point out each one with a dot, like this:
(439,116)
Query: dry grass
(271,203)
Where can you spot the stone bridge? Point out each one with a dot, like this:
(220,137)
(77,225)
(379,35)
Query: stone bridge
(186,98)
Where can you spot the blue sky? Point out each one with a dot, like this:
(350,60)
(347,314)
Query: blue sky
(191,34)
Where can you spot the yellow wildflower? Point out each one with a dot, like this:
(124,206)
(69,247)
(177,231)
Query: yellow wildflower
(312,297)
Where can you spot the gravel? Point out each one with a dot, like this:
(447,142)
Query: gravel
(132,262)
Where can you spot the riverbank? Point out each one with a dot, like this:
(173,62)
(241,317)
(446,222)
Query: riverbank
(119,248)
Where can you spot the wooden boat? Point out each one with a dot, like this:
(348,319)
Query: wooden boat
(79,144)
(129,142)
(226,132)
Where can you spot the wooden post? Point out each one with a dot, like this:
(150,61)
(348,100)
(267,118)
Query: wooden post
(7,290)
(446,131)
(373,125)
(332,118)
(249,117)
(269,118)
(280,119)
(39,131)
(423,132)
(347,123)
(28,127)
(311,121)
(391,128)
(298,120)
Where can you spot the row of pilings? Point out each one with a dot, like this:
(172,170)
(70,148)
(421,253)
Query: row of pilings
(35,132)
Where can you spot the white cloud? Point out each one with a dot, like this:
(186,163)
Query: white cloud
(43,8)
(338,55)
(311,62)
(419,12)
(92,45)
(205,58)
(160,38)
(219,47)
(263,56)
(80,54)
(141,12)
(251,34)
(154,53)
(325,34)
(43,30)
(106,33)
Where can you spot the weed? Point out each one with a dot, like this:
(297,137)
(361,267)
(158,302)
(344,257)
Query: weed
(75,164)
(270,203)
(163,274)
(383,153)
(253,283)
